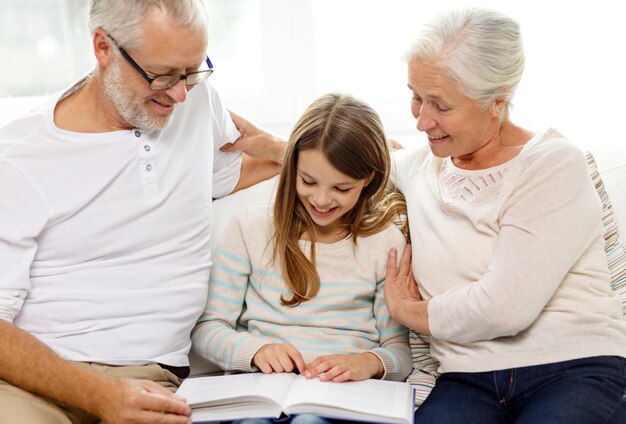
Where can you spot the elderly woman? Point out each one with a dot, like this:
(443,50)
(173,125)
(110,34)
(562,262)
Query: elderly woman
(508,249)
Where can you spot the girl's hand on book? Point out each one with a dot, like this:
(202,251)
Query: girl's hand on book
(339,368)
(278,357)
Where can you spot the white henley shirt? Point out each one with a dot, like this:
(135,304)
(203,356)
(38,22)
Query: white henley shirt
(105,237)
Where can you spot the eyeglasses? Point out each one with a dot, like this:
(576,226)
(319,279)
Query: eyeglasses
(163,82)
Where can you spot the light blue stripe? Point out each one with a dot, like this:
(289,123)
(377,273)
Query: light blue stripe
(334,284)
(268,273)
(283,291)
(317,304)
(262,272)
(223,299)
(257,286)
(351,296)
(222,252)
(320,305)
(325,332)
(344,316)
(236,347)
(218,344)
(396,331)
(323,345)
(346,284)
(228,270)
(337,351)
(222,337)
(222,283)
(385,320)
(210,334)
(393,357)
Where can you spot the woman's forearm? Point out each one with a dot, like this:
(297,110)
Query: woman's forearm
(414,315)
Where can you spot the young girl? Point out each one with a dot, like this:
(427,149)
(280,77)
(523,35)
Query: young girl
(302,290)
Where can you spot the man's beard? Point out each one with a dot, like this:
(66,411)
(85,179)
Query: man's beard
(131,108)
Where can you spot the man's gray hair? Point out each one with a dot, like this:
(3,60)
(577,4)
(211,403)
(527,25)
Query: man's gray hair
(122,18)
(479,48)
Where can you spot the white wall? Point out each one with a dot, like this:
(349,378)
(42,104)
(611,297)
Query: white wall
(273,57)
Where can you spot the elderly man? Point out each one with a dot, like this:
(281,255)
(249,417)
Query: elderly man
(105,222)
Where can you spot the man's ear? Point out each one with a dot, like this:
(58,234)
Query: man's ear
(102,47)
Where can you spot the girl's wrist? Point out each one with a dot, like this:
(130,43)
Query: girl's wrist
(377,367)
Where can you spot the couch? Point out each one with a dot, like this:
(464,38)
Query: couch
(607,169)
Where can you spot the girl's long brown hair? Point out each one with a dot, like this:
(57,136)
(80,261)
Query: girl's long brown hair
(350,135)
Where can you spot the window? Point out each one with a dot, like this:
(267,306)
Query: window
(573,81)
(273,57)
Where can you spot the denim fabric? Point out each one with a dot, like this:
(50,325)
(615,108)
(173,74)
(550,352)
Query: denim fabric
(588,390)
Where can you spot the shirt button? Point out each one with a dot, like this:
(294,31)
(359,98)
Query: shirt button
(146,148)
(137,133)
(148,167)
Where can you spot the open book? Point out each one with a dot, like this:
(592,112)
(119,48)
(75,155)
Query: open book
(256,395)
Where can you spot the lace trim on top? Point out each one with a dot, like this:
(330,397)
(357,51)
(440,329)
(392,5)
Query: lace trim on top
(473,187)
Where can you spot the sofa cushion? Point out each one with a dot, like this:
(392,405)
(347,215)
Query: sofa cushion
(614,247)
(424,372)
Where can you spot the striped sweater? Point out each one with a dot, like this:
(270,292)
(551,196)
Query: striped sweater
(348,315)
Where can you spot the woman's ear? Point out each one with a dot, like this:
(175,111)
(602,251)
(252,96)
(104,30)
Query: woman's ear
(498,107)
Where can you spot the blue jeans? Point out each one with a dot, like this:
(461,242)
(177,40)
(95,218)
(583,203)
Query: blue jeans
(589,390)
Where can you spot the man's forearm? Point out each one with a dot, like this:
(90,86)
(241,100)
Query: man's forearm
(29,364)
(254,170)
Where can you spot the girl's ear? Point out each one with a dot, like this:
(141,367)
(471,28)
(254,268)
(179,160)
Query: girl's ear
(369,179)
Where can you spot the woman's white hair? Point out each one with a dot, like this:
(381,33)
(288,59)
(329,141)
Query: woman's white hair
(481,49)
(122,18)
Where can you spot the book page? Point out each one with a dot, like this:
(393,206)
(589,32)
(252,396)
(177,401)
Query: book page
(388,401)
(234,412)
(231,389)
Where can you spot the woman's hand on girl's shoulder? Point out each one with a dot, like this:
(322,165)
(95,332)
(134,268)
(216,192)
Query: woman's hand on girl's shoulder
(342,367)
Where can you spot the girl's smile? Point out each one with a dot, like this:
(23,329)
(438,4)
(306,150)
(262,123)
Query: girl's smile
(327,194)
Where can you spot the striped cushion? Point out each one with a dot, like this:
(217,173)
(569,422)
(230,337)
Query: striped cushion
(425,366)
(615,251)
